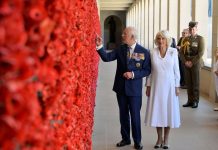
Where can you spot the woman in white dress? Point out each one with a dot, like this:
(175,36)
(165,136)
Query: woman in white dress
(163,89)
(215,70)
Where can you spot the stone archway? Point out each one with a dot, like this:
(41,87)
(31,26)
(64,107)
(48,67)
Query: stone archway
(112,32)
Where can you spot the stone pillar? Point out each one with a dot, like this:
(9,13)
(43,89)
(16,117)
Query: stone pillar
(200,14)
(151,22)
(184,15)
(142,35)
(146,23)
(212,93)
(156,17)
(173,17)
(163,14)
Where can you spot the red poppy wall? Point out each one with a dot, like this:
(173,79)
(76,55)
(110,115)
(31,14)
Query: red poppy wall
(48,73)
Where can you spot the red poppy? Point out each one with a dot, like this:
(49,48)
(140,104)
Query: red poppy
(48,71)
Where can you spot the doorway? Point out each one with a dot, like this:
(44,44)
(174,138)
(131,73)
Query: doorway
(112,32)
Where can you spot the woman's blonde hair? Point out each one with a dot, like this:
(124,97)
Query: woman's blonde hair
(165,34)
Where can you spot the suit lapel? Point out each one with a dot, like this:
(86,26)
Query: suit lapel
(137,49)
(124,55)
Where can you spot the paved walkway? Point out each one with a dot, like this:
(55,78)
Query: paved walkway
(199,129)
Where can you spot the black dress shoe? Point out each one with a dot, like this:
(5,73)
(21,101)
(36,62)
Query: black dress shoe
(188,104)
(138,146)
(157,146)
(123,143)
(195,105)
(165,146)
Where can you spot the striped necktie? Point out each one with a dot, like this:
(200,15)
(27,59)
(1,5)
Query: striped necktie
(128,53)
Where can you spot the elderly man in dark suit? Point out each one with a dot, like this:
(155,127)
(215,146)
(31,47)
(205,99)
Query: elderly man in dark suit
(133,63)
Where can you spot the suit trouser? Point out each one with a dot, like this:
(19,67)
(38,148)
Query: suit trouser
(130,106)
(192,82)
(182,74)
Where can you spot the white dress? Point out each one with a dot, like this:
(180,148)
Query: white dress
(163,104)
(216,77)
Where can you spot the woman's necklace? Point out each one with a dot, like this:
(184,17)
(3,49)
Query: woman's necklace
(163,52)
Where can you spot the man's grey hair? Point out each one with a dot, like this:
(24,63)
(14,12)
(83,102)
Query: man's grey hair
(186,30)
(133,31)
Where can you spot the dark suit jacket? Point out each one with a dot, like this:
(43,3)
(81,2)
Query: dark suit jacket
(140,65)
(173,44)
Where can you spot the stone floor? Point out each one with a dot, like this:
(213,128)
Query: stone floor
(199,129)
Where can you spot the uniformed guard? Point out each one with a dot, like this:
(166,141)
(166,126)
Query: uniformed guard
(191,54)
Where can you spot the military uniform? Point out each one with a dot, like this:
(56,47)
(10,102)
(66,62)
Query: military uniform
(192,50)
